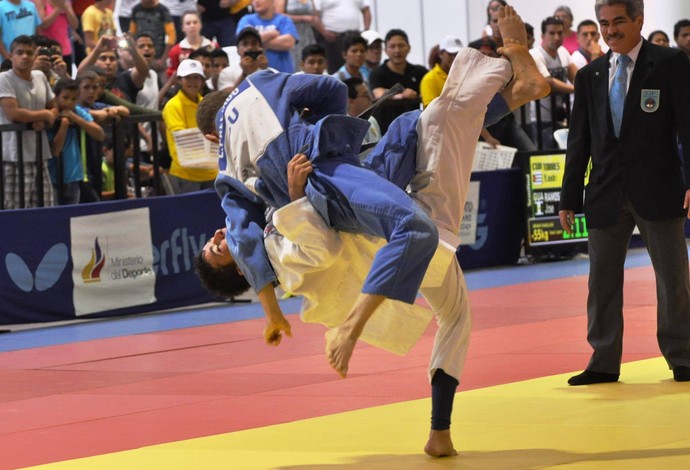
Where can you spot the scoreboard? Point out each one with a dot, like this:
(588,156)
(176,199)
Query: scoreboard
(544,176)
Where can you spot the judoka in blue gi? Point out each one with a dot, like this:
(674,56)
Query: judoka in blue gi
(353,199)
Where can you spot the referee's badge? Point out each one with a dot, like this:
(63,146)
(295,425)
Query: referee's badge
(649,100)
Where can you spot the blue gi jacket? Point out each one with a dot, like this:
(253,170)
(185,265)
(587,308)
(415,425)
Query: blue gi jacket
(260,130)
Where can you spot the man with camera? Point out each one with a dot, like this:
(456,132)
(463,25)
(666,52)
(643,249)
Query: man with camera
(252,58)
(277,32)
(49,60)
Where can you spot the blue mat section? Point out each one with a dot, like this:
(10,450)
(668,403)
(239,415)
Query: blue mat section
(139,324)
(134,325)
(498,277)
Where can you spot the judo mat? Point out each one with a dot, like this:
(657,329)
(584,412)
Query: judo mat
(199,390)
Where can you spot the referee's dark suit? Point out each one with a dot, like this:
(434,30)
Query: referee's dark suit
(636,179)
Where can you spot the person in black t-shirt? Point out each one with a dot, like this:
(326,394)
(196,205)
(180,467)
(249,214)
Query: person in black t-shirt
(396,69)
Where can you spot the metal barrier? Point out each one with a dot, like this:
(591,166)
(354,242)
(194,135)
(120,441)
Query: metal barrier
(526,123)
(126,127)
(120,131)
(19,129)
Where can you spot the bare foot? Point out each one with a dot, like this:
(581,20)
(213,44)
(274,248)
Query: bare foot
(339,348)
(511,26)
(528,83)
(440,444)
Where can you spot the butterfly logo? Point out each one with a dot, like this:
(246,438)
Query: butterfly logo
(48,271)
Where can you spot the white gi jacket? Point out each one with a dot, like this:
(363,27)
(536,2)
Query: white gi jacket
(328,269)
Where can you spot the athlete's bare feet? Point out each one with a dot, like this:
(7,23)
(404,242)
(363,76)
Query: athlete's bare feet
(528,83)
(511,26)
(440,444)
(339,348)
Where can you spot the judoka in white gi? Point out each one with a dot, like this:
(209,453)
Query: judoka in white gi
(328,267)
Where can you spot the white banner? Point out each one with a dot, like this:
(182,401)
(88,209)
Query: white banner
(112,261)
(468,227)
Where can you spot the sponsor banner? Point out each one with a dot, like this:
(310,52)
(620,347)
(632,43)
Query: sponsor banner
(498,220)
(40,266)
(468,227)
(112,261)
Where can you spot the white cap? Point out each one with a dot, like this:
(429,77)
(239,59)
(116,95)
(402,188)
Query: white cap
(371,36)
(190,67)
(451,44)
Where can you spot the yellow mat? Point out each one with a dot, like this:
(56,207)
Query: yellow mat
(642,422)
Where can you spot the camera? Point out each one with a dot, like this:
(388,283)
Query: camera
(47,51)
(120,42)
(253,54)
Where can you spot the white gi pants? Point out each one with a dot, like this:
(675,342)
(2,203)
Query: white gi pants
(448,131)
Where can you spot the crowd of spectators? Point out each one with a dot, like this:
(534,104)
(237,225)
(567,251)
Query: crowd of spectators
(71,72)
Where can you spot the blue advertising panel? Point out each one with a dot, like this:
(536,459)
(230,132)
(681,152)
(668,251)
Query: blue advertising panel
(53,261)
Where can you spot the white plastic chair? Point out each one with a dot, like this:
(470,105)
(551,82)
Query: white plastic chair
(561,138)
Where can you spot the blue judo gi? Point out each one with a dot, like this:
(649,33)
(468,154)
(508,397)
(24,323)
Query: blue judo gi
(261,129)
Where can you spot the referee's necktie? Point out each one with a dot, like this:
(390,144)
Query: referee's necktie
(618,92)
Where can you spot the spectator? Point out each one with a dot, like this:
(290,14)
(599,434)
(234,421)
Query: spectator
(358,100)
(204,56)
(142,86)
(177,9)
(530,35)
(179,114)
(17,18)
(154,19)
(49,59)
(372,59)
(108,170)
(491,27)
(338,17)
(57,17)
(659,38)
(681,34)
(25,97)
(124,13)
(278,34)
(314,59)
(97,21)
(220,19)
(89,90)
(105,56)
(486,46)
(79,6)
(396,69)
(354,50)
(432,83)
(303,14)
(192,40)
(252,58)
(65,142)
(129,83)
(491,31)
(565,14)
(588,44)
(219,60)
(561,75)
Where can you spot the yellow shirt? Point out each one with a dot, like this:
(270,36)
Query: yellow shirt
(239,6)
(180,113)
(432,84)
(98,22)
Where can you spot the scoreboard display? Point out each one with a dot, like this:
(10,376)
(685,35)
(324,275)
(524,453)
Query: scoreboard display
(544,176)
